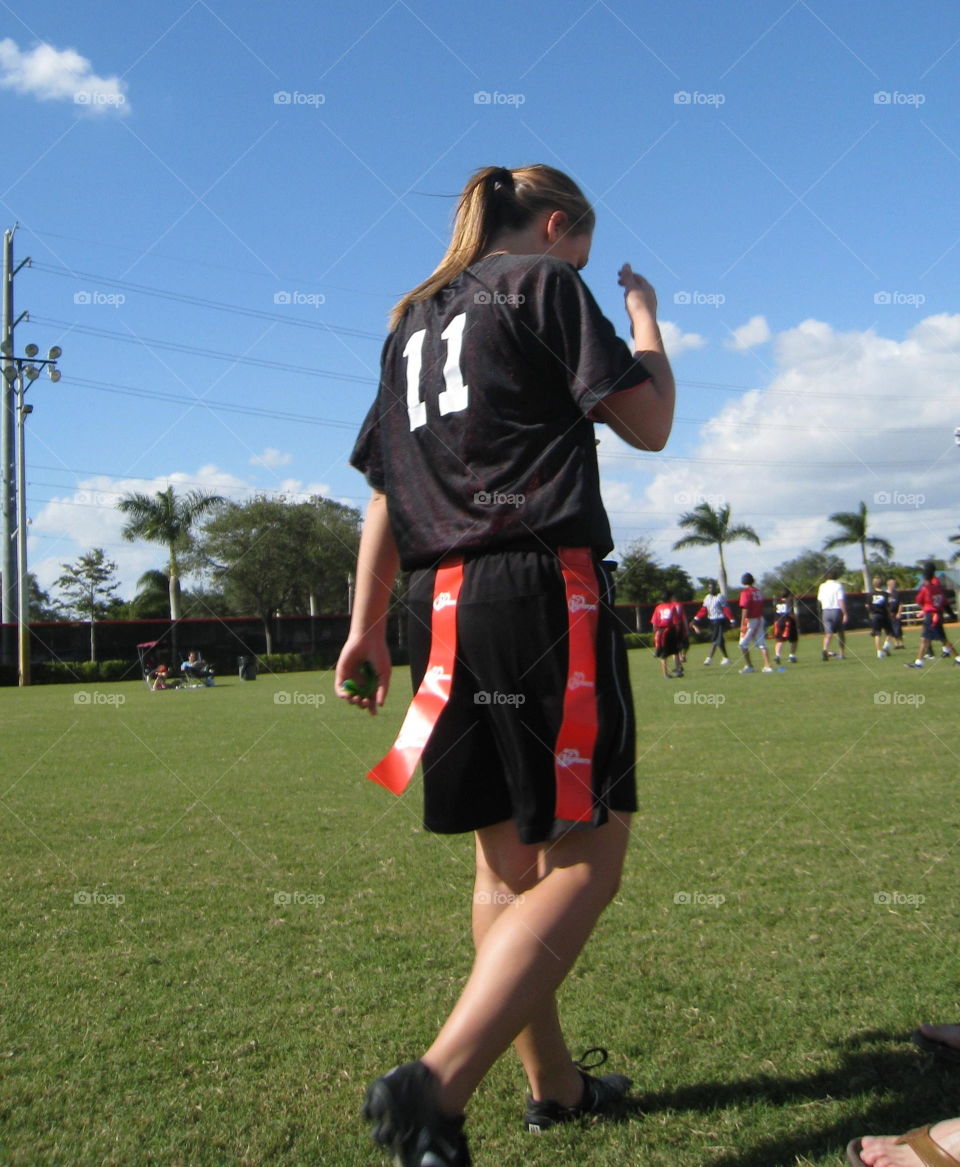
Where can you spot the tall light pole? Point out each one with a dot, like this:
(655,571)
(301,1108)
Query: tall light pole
(8,562)
(20,373)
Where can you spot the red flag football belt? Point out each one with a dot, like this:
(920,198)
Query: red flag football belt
(396,768)
(573,753)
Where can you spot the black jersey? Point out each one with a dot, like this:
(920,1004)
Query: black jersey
(879,602)
(480,435)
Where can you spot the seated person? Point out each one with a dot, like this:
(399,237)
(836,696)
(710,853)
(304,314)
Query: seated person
(196,668)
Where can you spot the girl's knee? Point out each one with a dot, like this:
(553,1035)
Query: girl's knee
(508,877)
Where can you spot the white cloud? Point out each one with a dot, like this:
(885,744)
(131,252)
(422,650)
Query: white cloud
(755,331)
(676,341)
(87,517)
(298,491)
(271,457)
(847,416)
(50,74)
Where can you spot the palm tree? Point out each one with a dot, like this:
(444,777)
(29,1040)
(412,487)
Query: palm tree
(152,595)
(712,528)
(853,529)
(168,520)
(955,557)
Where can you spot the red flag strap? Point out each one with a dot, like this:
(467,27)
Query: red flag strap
(577,738)
(396,768)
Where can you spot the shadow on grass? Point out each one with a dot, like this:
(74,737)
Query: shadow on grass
(895,1089)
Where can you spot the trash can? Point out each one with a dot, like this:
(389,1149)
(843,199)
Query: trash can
(248,668)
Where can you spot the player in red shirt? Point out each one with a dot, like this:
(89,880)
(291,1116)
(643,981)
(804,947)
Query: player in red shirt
(752,630)
(932,602)
(668,620)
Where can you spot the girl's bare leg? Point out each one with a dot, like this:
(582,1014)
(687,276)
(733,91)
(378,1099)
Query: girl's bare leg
(506,868)
(525,949)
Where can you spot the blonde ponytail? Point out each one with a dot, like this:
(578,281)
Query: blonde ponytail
(496,199)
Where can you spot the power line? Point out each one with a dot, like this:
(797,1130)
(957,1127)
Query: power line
(193,350)
(214,405)
(807,464)
(247,273)
(200,302)
(321,326)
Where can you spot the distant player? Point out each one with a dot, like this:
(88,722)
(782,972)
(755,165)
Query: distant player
(833,612)
(665,621)
(894,606)
(785,626)
(932,603)
(881,626)
(752,631)
(683,634)
(715,609)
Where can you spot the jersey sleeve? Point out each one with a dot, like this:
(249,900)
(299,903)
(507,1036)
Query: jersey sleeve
(597,362)
(367,455)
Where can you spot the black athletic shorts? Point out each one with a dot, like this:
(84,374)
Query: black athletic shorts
(880,623)
(666,642)
(718,628)
(491,755)
(932,627)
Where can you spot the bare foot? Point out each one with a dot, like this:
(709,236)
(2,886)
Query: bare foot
(945,1034)
(889,1152)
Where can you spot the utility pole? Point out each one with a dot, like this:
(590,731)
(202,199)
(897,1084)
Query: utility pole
(9,565)
(24,371)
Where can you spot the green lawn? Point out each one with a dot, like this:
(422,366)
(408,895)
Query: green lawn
(216,932)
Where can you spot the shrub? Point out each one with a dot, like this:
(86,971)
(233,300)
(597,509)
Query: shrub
(63,672)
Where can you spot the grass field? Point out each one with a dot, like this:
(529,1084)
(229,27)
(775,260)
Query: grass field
(215,932)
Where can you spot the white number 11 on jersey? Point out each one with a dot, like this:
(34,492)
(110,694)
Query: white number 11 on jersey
(455,394)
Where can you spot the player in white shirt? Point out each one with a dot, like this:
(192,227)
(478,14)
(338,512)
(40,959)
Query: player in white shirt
(833,605)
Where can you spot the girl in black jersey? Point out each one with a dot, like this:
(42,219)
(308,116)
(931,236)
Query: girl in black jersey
(480,452)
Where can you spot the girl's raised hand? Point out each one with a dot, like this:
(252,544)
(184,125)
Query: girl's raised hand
(637,291)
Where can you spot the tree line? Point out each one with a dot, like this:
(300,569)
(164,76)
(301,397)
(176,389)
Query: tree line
(271,555)
(263,557)
(642,579)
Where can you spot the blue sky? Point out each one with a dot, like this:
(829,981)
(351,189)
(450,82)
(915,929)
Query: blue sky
(785,173)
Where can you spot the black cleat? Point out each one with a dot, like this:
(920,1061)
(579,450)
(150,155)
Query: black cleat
(402,1106)
(601,1096)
